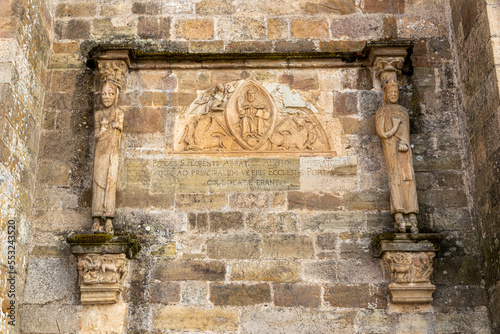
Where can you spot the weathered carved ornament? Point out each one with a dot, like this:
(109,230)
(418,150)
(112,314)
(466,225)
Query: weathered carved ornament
(408,267)
(410,277)
(247,116)
(101,277)
(407,259)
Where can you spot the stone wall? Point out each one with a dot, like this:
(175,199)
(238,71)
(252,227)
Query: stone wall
(476,32)
(24,52)
(245,260)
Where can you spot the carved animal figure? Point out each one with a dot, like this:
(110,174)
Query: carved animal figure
(206,132)
(88,269)
(297,133)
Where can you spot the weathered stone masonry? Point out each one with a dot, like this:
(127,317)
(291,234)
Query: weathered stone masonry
(249,260)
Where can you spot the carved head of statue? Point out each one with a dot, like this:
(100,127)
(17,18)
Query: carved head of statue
(251,95)
(391,93)
(109,94)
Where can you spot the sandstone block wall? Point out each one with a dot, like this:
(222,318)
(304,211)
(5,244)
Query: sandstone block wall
(236,261)
(25,27)
(476,30)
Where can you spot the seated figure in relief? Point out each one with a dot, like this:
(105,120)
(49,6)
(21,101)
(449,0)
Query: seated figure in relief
(108,125)
(393,128)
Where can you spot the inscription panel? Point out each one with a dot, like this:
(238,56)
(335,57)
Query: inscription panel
(201,175)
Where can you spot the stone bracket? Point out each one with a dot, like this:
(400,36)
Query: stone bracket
(103,265)
(407,259)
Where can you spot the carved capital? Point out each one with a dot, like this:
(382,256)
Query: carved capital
(404,267)
(101,277)
(103,265)
(407,259)
(113,67)
(387,62)
(388,69)
(113,71)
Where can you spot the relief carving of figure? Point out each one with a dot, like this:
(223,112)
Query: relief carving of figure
(252,118)
(296,132)
(409,267)
(242,115)
(108,126)
(214,99)
(96,268)
(393,128)
(206,132)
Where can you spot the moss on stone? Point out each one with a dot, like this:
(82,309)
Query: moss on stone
(91,239)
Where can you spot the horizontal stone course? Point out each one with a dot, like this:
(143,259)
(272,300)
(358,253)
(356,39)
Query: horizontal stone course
(234,246)
(197,318)
(295,295)
(287,246)
(312,201)
(173,270)
(266,270)
(240,294)
(356,295)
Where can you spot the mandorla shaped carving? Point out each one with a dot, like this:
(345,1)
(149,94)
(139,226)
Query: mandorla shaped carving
(247,116)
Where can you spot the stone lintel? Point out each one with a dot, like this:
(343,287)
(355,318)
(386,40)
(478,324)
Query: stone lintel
(407,242)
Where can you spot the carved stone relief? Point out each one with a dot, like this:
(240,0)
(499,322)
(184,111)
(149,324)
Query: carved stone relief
(101,277)
(245,116)
(406,267)
(408,258)
(410,279)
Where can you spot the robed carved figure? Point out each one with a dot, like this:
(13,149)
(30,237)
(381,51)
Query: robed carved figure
(393,128)
(108,126)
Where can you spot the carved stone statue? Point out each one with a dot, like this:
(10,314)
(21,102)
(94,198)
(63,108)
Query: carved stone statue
(393,128)
(252,117)
(108,126)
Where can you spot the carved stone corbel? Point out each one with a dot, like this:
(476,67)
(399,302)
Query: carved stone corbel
(103,265)
(407,259)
